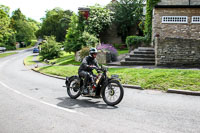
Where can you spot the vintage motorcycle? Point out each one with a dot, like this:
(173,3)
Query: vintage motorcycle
(110,89)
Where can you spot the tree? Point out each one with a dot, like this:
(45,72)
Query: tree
(55,23)
(84,32)
(73,41)
(127,13)
(25,30)
(6,33)
(50,48)
(17,15)
(6,9)
(76,37)
(99,20)
(34,24)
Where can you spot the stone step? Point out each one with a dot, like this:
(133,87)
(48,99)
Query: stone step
(114,64)
(140,56)
(145,49)
(139,59)
(128,63)
(142,52)
(143,55)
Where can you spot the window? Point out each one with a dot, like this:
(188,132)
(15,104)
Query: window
(174,19)
(195,19)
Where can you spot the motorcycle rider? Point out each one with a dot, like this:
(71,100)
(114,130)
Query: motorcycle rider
(86,67)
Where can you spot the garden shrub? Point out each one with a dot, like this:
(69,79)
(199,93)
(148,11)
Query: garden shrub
(110,48)
(120,46)
(134,41)
(89,39)
(73,40)
(50,48)
(33,42)
(8,47)
(84,52)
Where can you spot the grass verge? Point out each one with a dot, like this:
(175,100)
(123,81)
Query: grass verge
(66,59)
(123,51)
(161,79)
(29,61)
(6,54)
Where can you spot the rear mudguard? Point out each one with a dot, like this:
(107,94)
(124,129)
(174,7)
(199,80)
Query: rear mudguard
(68,79)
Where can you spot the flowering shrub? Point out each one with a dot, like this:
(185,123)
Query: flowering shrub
(110,48)
(84,52)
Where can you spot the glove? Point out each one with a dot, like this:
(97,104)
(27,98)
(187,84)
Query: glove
(93,67)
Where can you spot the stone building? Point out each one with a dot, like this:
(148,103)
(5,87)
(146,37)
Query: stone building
(176,32)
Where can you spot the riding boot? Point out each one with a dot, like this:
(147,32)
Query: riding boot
(85,90)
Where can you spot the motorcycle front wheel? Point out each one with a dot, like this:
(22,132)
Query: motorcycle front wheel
(113,93)
(73,90)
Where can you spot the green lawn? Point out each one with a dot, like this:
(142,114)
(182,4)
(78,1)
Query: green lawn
(59,70)
(6,54)
(123,51)
(161,79)
(28,60)
(66,59)
(69,58)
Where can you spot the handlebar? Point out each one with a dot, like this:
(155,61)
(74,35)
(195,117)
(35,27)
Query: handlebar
(99,69)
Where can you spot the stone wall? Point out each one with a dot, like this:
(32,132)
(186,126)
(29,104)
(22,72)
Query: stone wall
(103,57)
(177,52)
(186,31)
(110,36)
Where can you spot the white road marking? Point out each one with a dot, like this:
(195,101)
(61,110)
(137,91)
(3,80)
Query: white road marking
(51,105)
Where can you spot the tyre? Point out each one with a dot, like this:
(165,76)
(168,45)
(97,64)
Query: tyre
(113,93)
(73,89)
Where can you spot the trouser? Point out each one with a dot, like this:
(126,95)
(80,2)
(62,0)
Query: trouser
(86,76)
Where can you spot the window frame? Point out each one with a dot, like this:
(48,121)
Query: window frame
(166,19)
(195,22)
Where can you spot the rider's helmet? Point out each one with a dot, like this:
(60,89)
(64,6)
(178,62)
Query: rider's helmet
(93,51)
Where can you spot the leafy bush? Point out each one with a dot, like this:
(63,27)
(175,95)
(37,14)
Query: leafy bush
(33,42)
(84,52)
(120,46)
(50,48)
(99,20)
(8,47)
(111,49)
(135,41)
(148,18)
(73,41)
(89,39)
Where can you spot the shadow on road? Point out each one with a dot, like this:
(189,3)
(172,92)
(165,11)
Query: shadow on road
(69,103)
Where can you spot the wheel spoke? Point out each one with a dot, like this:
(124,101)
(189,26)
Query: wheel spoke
(72,87)
(112,96)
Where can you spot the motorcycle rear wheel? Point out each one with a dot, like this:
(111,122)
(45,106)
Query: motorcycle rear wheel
(73,90)
(113,93)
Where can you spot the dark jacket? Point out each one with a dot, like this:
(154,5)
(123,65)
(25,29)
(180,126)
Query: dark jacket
(88,61)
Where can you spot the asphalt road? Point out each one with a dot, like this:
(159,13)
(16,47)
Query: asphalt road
(35,103)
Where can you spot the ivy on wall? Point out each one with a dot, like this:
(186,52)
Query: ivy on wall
(148,18)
